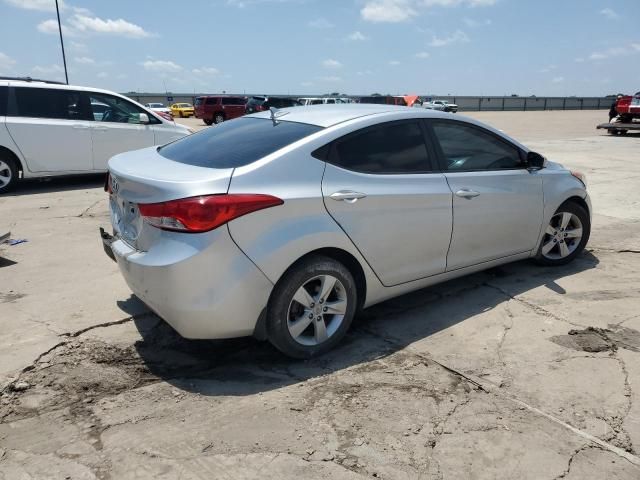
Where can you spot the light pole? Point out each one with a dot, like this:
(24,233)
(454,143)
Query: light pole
(64,58)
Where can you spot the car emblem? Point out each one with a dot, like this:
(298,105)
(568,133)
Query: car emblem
(115,186)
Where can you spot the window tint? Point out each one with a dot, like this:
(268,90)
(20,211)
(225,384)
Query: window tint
(331,100)
(49,103)
(471,148)
(4,98)
(236,143)
(199,101)
(107,108)
(211,101)
(396,147)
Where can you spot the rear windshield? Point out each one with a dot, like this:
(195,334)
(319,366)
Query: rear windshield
(236,143)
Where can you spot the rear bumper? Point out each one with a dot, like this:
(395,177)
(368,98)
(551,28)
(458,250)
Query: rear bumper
(201,284)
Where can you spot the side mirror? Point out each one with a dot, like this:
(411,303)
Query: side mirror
(144,118)
(535,161)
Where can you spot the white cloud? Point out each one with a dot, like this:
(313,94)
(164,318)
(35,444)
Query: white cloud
(121,76)
(6,62)
(85,60)
(41,5)
(557,79)
(364,72)
(320,23)
(357,36)
(629,49)
(456,37)
(331,63)
(395,11)
(161,66)
(389,11)
(48,69)
(609,13)
(307,84)
(51,27)
(472,23)
(206,71)
(548,68)
(394,63)
(119,27)
(422,55)
(102,75)
(455,3)
(579,60)
(78,47)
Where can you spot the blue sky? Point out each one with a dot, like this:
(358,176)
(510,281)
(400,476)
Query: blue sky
(472,47)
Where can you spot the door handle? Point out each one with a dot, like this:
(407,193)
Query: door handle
(348,196)
(466,193)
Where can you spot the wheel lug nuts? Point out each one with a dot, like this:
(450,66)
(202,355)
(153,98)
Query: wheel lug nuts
(321,301)
(313,304)
(555,240)
(318,318)
(325,309)
(311,315)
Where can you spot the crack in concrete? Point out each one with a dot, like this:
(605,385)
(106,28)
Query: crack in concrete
(490,388)
(536,308)
(611,250)
(507,329)
(77,333)
(571,458)
(89,208)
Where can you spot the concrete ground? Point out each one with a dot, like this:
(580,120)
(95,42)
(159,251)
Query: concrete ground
(518,372)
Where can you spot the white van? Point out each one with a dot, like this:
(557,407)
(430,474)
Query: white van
(322,100)
(47,129)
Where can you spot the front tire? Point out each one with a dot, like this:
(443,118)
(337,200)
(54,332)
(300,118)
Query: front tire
(566,235)
(8,174)
(219,118)
(311,307)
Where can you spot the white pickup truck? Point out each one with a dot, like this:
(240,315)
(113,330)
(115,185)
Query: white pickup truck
(441,105)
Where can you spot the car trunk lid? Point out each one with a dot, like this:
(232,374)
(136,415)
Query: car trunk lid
(144,177)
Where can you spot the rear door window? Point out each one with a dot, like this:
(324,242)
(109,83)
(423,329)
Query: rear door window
(211,101)
(4,98)
(236,143)
(49,103)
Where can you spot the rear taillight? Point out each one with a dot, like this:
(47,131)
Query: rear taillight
(201,214)
(107,184)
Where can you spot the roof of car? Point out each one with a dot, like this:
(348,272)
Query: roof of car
(331,114)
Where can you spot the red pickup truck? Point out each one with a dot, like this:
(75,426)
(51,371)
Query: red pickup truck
(218,108)
(628,107)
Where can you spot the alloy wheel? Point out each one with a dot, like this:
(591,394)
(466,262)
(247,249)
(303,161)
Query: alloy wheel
(5,174)
(317,310)
(562,236)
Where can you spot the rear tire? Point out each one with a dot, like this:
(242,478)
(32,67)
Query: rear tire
(8,173)
(311,307)
(566,235)
(219,118)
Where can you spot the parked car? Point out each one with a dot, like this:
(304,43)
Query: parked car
(49,129)
(400,100)
(284,226)
(260,104)
(322,100)
(218,108)
(160,108)
(182,110)
(441,105)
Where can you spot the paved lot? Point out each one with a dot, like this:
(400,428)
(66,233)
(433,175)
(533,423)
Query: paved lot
(519,372)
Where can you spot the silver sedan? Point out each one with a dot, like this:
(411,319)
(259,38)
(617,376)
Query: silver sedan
(284,224)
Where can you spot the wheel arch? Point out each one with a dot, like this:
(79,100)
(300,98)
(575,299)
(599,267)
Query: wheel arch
(6,151)
(347,259)
(580,201)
